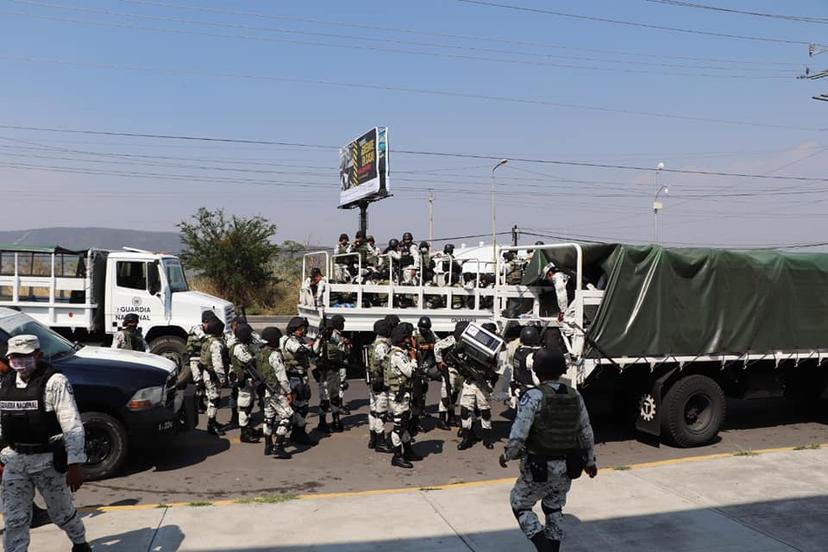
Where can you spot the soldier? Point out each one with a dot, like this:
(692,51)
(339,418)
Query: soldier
(425,340)
(313,288)
(44,445)
(523,377)
(243,351)
(452,380)
(331,350)
(551,424)
(426,264)
(296,355)
(229,341)
(278,413)
(129,337)
(512,269)
(342,247)
(195,340)
(409,259)
(390,265)
(214,372)
(377,390)
(478,384)
(398,368)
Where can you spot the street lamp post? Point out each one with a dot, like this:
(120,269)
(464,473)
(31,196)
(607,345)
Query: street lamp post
(494,226)
(657,205)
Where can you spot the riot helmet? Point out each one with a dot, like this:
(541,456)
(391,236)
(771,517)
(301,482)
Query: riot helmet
(424,323)
(393,243)
(215,327)
(272,335)
(401,333)
(382,328)
(448,249)
(393,320)
(529,336)
(407,238)
(207,315)
(338,322)
(243,332)
(131,319)
(548,363)
(295,323)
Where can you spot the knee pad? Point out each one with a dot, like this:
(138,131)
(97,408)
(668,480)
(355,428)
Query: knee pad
(519,513)
(325,405)
(464,412)
(336,401)
(486,414)
(548,511)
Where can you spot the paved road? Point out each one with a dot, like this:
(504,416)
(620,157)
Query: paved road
(197,466)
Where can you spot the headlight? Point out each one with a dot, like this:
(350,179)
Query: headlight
(146,398)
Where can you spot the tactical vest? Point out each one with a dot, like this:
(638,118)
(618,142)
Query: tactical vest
(332,356)
(207,355)
(406,258)
(132,341)
(194,344)
(235,363)
(555,428)
(521,373)
(514,275)
(375,365)
(362,251)
(394,379)
(23,411)
(298,363)
(265,368)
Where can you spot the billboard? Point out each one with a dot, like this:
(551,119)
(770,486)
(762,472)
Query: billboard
(363,168)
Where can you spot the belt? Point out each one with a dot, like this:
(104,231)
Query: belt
(30,448)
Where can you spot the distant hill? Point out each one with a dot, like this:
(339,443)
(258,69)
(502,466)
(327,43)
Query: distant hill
(103,238)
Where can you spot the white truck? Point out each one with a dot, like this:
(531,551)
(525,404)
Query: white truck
(660,334)
(84,295)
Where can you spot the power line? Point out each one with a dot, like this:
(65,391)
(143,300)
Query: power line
(633,23)
(800,18)
(413,90)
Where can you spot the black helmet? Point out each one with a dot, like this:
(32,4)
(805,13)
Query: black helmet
(548,363)
(424,323)
(316,271)
(130,318)
(393,243)
(343,236)
(239,319)
(448,249)
(393,320)
(539,242)
(407,237)
(271,335)
(215,327)
(382,328)
(244,332)
(295,323)
(338,322)
(360,235)
(370,238)
(459,328)
(509,255)
(207,315)
(424,245)
(529,336)
(490,327)
(401,333)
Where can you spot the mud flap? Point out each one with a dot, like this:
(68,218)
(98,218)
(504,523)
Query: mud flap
(649,405)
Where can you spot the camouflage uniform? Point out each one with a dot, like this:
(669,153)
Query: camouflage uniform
(425,358)
(24,472)
(398,369)
(296,357)
(452,381)
(552,493)
(130,340)
(195,340)
(278,413)
(214,366)
(331,352)
(377,391)
(240,355)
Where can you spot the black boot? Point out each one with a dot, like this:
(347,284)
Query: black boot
(543,544)
(40,517)
(468,440)
(442,422)
(214,428)
(414,428)
(409,454)
(83,547)
(323,424)
(256,432)
(300,436)
(398,460)
(268,450)
(382,445)
(488,442)
(279,450)
(372,440)
(336,425)
(247,435)
(234,418)
(453,420)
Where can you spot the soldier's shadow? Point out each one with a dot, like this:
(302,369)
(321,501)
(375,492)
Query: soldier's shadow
(427,448)
(166,539)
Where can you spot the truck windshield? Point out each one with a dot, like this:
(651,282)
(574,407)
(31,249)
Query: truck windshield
(51,344)
(175,276)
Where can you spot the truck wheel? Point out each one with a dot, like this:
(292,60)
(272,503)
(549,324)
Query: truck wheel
(693,411)
(106,445)
(171,347)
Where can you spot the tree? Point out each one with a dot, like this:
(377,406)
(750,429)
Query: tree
(235,254)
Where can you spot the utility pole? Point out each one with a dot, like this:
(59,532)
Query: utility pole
(515,235)
(430,200)
(494,225)
(657,205)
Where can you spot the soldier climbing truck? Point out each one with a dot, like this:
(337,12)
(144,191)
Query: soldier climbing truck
(84,295)
(664,335)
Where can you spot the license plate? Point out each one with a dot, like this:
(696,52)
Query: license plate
(165,426)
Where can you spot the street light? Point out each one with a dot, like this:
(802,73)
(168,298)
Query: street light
(494,226)
(657,205)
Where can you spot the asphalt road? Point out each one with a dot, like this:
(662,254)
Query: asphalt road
(197,466)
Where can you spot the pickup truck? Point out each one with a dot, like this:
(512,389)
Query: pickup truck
(125,398)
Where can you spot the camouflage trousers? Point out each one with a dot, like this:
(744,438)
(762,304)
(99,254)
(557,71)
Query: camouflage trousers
(475,397)
(552,495)
(195,371)
(18,492)
(300,406)
(447,401)
(245,401)
(212,382)
(377,410)
(330,392)
(399,405)
(278,415)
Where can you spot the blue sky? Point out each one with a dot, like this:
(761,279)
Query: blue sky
(244,70)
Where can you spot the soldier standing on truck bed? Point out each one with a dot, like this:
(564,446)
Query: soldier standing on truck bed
(553,438)
(41,427)
(129,337)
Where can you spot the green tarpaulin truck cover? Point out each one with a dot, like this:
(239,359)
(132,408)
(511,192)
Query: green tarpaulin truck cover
(688,302)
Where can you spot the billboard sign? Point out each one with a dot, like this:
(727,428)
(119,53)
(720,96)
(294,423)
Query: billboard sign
(363,168)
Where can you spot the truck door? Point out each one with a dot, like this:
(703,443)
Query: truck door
(132,292)
(160,286)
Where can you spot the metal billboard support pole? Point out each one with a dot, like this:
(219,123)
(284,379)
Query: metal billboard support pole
(363,217)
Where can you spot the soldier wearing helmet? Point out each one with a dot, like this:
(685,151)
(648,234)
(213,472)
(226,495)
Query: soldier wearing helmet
(296,353)
(195,340)
(244,350)
(452,380)
(398,369)
(213,364)
(425,340)
(409,259)
(523,377)
(331,350)
(278,414)
(313,288)
(340,265)
(377,390)
(389,267)
(129,337)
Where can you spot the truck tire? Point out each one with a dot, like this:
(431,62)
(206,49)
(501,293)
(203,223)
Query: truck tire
(106,445)
(693,411)
(171,347)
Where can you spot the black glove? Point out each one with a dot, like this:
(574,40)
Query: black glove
(344,385)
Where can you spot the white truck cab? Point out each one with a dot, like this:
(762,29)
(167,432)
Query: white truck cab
(86,294)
